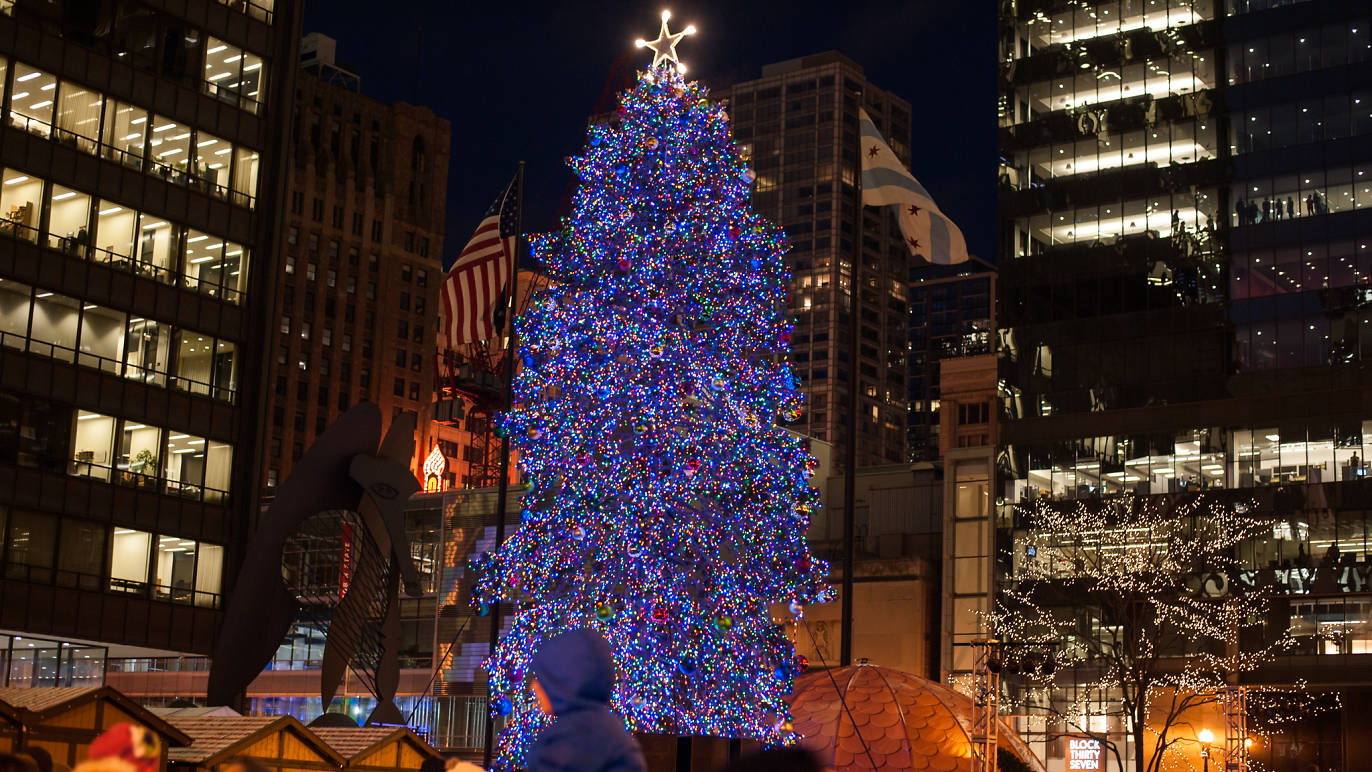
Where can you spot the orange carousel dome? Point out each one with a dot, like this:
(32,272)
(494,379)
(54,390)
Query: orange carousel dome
(906,722)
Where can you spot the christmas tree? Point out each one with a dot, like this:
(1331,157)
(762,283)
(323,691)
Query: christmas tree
(664,507)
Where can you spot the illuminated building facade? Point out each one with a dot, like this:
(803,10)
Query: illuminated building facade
(142,150)
(361,264)
(1184,301)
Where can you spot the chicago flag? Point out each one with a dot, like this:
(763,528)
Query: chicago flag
(886,181)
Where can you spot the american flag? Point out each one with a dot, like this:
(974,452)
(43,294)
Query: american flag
(477,279)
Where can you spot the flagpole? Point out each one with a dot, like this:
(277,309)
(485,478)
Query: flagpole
(854,383)
(503,489)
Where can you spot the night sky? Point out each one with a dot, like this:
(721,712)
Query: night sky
(517,80)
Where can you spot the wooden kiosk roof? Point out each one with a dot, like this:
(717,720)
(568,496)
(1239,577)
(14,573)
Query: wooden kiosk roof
(377,747)
(282,741)
(64,720)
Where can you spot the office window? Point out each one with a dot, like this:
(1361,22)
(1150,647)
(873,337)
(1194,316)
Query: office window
(233,75)
(130,558)
(399,387)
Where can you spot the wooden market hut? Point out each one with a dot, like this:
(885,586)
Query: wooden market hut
(279,743)
(377,748)
(10,727)
(64,720)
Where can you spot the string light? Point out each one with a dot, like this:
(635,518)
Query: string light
(664,506)
(1131,614)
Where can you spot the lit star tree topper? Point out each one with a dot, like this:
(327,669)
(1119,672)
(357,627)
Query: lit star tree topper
(664,48)
(664,506)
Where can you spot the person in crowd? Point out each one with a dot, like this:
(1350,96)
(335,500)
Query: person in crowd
(1266,210)
(1290,208)
(13,762)
(1309,205)
(41,758)
(126,747)
(458,765)
(574,676)
(793,759)
(1241,209)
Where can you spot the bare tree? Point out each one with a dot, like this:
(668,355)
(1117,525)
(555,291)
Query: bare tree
(1126,611)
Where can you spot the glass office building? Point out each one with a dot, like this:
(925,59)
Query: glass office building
(139,194)
(1184,298)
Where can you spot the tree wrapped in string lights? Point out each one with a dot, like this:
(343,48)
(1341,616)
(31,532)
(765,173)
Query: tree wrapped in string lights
(1128,615)
(664,506)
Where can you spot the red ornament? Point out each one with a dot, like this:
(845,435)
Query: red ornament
(801,663)
(659,614)
(786,337)
(733,231)
(692,467)
(803,563)
(625,264)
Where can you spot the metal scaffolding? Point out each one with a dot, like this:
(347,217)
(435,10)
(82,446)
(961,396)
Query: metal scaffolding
(985,704)
(1234,700)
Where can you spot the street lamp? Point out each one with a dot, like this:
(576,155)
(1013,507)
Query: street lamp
(1205,737)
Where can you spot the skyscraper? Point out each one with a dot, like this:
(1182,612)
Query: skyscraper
(361,263)
(1185,255)
(800,123)
(142,153)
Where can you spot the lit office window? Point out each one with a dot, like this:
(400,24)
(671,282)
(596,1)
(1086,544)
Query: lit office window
(129,560)
(233,75)
(20,196)
(32,100)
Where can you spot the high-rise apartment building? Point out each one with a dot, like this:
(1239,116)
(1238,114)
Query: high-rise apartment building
(361,261)
(1184,297)
(950,316)
(142,147)
(800,123)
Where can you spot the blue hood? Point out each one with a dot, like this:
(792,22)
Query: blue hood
(576,670)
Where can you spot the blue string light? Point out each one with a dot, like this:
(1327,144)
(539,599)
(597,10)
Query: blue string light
(664,506)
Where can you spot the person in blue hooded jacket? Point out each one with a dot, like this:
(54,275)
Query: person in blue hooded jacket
(574,676)
(573,679)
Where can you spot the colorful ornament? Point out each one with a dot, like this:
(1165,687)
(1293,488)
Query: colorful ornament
(660,328)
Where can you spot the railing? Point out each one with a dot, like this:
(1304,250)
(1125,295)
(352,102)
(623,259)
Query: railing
(131,479)
(158,665)
(115,366)
(126,263)
(134,160)
(233,97)
(259,12)
(62,578)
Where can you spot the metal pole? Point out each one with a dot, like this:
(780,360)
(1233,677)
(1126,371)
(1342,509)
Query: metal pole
(502,490)
(845,648)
